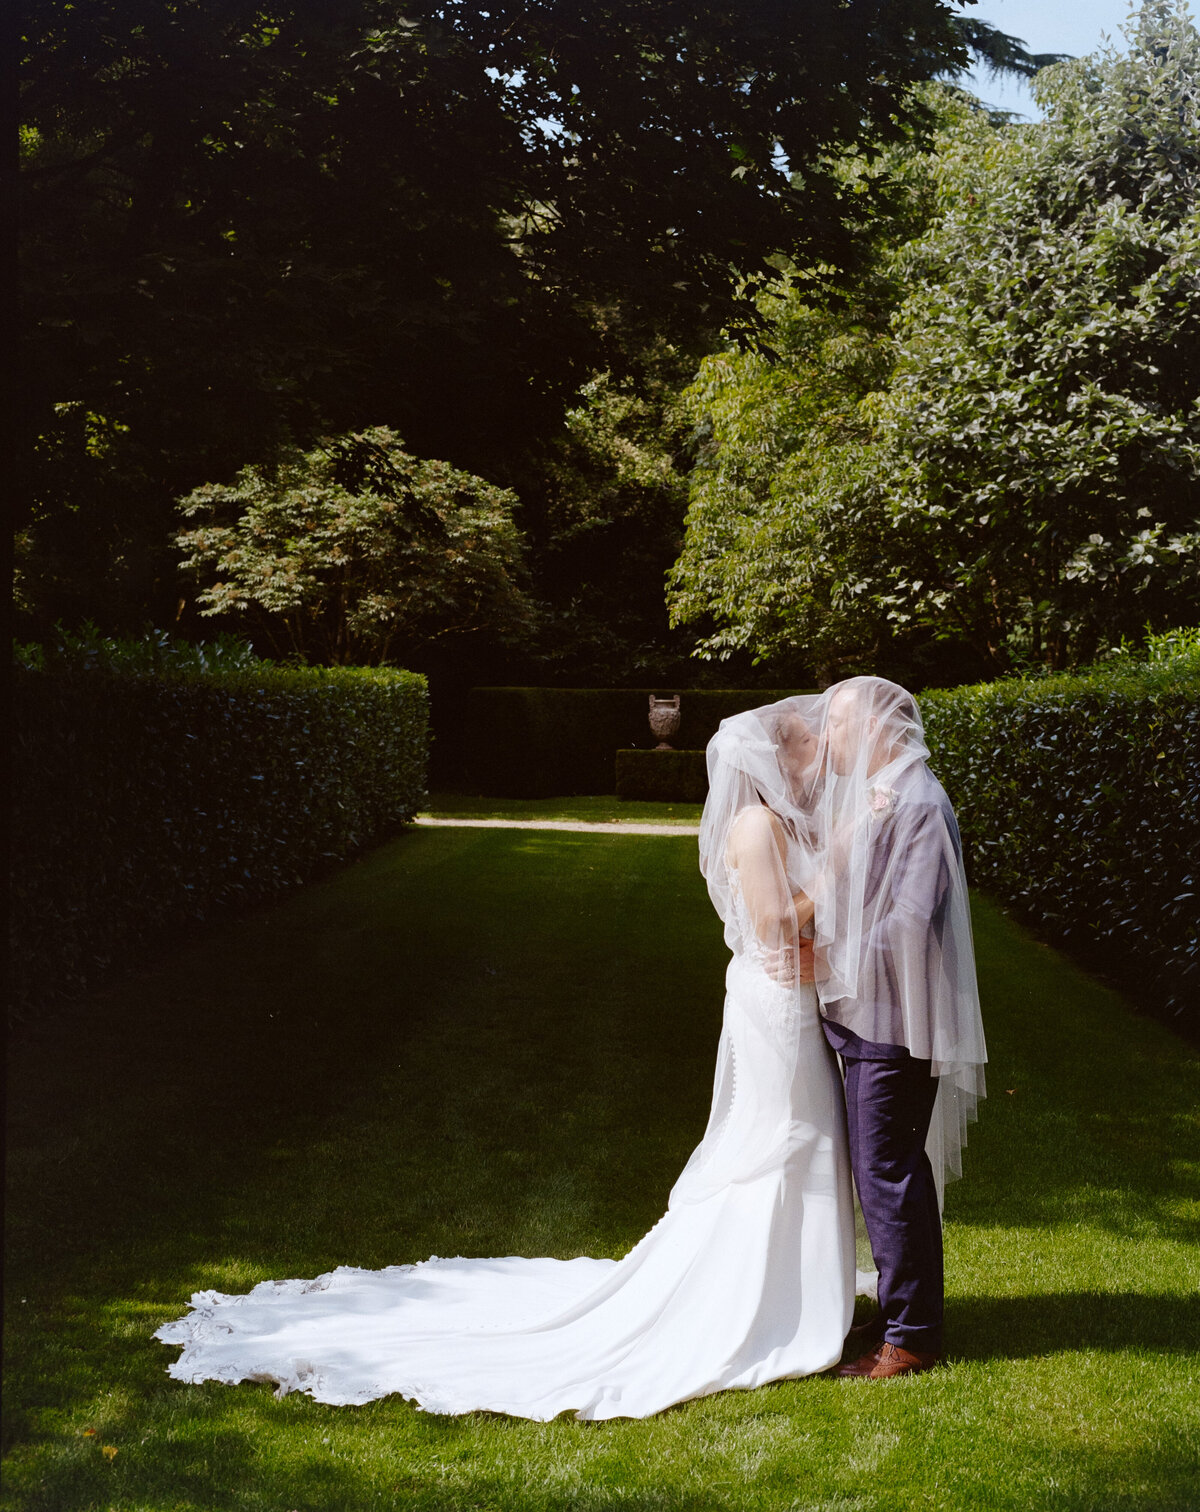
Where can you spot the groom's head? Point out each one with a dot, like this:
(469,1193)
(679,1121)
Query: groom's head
(846,728)
(870,721)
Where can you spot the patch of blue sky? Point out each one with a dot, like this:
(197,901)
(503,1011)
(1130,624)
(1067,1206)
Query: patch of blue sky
(1077,27)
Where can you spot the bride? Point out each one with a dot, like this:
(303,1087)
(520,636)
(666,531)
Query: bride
(749,1277)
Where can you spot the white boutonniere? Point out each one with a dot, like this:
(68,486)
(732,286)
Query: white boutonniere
(881,802)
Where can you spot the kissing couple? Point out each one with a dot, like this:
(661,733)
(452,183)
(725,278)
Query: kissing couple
(850,1057)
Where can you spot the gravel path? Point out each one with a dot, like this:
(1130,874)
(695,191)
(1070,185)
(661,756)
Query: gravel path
(612,827)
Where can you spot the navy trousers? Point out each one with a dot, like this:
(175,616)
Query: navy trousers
(888,1107)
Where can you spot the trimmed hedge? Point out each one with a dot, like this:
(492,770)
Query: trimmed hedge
(556,742)
(146,800)
(1079,801)
(662,776)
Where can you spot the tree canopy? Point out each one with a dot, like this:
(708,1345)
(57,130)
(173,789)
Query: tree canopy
(1008,458)
(246,224)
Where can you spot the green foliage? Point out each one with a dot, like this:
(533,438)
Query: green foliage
(150,792)
(785,516)
(356,552)
(662,776)
(1079,800)
(604,512)
(1043,419)
(780,507)
(1020,474)
(241,228)
(998,53)
(1178,647)
(273,220)
(543,742)
(156,651)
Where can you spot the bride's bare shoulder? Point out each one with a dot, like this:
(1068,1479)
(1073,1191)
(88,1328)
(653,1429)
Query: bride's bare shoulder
(753,829)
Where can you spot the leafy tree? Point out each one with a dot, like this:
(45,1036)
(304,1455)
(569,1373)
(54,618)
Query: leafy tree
(1043,417)
(247,222)
(1001,54)
(603,505)
(356,552)
(1024,480)
(785,515)
(779,509)
(242,223)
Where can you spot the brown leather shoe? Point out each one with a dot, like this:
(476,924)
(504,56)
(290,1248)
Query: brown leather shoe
(888,1360)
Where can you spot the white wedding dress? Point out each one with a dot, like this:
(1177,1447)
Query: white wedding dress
(748,1278)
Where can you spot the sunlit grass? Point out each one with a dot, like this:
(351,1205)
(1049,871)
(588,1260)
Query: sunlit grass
(489,1042)
(593,810)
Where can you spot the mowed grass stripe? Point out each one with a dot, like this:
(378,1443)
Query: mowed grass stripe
(494,1042)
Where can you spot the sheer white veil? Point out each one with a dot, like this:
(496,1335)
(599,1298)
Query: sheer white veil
(761,763)
(872,840)
(757,851)
(893,923)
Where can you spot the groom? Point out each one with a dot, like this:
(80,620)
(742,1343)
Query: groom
(906,869)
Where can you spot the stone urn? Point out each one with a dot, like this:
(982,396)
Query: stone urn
(664,720)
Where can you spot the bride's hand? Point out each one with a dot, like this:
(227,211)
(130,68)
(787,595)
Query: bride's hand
(790,965)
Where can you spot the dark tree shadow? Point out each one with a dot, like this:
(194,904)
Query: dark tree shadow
(1011,1328)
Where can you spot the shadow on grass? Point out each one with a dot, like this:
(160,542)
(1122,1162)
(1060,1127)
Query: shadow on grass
(243,1451)
(1093,1113)
(1027,1327)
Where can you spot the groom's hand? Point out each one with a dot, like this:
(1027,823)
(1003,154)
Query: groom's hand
(805,962)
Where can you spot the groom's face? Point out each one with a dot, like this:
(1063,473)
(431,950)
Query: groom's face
(845,724)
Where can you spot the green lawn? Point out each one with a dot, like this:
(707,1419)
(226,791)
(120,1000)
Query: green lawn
(491,1042)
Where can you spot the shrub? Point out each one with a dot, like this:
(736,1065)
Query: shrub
(150,798)
(155,651)
(1079,800)
(662,776)
(552,742)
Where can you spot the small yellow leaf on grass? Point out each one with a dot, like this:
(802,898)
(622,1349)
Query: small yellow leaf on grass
(108,1451)
(89,1433)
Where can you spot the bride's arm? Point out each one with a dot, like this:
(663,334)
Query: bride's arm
(804,908)
(758,851)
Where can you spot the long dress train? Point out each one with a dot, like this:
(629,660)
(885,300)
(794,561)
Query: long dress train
(749,1276)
